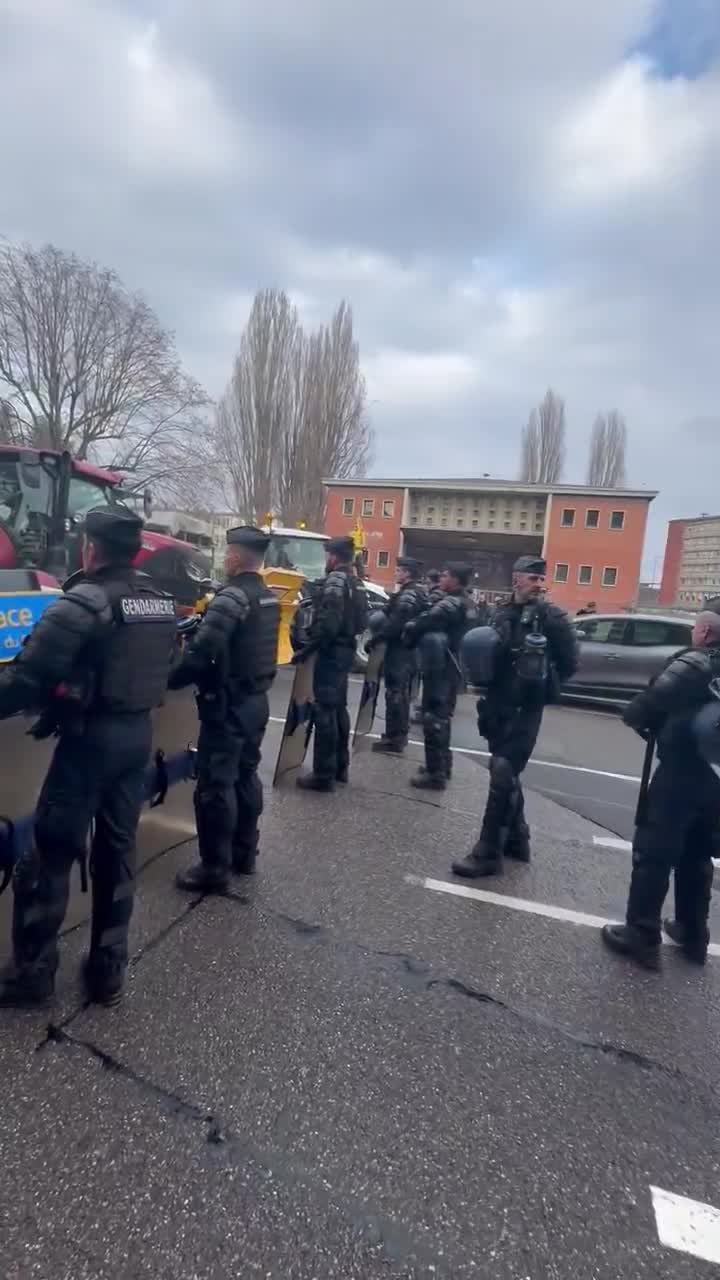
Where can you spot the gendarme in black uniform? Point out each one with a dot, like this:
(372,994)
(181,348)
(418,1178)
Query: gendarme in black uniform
(438,633)
(233,660)
(95,665)
(400,663)
(682,812)
(339,615)
(511,714)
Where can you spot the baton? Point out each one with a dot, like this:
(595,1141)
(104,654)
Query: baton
(641,810)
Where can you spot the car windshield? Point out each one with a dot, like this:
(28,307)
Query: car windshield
(305,555)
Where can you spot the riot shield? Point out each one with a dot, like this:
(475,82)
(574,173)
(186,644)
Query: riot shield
(298,723)
(369,697)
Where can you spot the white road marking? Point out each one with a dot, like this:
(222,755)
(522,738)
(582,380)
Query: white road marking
(687,1226)
(625,846)
(543,764)
(545,909)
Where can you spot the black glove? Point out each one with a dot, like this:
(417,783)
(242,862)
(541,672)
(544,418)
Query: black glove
(301,656)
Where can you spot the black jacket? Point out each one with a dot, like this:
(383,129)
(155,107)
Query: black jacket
(236,642)
(675,695)
(512,621)
(402,607)
(111,631)
(333,621)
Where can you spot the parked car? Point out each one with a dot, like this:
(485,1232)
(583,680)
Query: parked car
(621,652)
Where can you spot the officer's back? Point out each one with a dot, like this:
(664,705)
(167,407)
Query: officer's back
(95,666)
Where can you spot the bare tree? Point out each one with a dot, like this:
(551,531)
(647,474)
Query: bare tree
(608,445)
(543,442)
(293,412)
(86,366)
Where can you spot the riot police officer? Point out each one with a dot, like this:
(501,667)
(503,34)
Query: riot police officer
(679,825)
(339,615)
(96,664)
(511,712)
(233,660)
(399,664)
(438,633)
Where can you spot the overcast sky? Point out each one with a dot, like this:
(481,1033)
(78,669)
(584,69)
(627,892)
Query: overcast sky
(511,194)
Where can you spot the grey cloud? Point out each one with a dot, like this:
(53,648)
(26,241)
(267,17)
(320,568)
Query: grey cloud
(414,166)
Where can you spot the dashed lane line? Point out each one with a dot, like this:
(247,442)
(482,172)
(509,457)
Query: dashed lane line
(545,909)
(542,764)
(687,1226)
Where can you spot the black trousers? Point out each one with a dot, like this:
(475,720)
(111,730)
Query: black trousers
(229,794)
(439,696)
(680,832)
(98,777)
(511,733)
(331,740)
(399,672)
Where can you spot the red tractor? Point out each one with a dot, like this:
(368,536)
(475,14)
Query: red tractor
(44,496)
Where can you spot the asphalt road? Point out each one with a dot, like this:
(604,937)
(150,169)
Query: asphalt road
(355,1067)
(585,758)
(347,1071)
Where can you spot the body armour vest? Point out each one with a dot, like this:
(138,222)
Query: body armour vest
(133,660)
(254,645)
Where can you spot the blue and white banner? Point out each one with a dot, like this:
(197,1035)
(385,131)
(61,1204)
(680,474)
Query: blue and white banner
(19,611)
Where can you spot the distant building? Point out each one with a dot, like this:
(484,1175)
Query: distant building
(691,568)
(591,538)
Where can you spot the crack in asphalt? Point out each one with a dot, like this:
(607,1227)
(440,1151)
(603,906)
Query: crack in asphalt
(418,969)
(376,1229)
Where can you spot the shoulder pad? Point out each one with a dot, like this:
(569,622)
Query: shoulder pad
(235,595)
(691,662)
(88,595)
(336,581)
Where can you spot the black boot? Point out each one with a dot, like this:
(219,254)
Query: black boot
(484,859)
(425,781)
(626,940)
(694,946)
(244,858)
(104,984)
(517,844)
(311,782)
(201,879)
(389,746)
(25,988)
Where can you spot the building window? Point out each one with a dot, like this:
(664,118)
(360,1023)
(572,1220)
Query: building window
(617,519)
(368,506)
(475,524)
(506,524)
(561,572)
(592,518)
(443,522)
(383,559)
(585,575)
(491,524)
(567,519)
(348,506)
(431,511)
(388,508)
(429,521)
(413,519)
(609,578)
(523,524)
(460,522)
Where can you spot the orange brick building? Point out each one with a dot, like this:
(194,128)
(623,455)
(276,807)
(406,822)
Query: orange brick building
(591,538)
